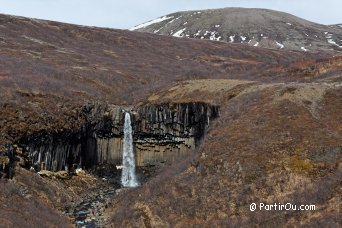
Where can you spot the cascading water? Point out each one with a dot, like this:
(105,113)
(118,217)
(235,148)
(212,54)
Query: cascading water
(128,178)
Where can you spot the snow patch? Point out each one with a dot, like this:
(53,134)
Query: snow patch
(197,33)
(288,23)
(157,20)
(331,41)
(304,49)
(218,38)
(156,31)
(179,33)
(231,39)
(185,23)
(243,38)
(216,26)
(213,36)
(256,45)
(173,20)
(281,46)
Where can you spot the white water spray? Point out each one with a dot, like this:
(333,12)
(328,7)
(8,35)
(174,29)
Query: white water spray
(128,178)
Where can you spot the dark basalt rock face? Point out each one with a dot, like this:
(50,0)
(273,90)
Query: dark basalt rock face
(161,134)
(7,162)
(164,132)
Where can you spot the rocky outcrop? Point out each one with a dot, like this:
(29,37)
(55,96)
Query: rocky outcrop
(7,163)
(161,134)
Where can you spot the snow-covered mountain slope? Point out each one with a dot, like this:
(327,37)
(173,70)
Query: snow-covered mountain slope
(254,27)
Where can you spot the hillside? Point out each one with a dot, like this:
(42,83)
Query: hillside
(253,27)
(49,69)
(274,143)
(259,125)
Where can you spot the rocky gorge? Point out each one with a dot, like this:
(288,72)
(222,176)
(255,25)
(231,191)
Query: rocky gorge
(163,133)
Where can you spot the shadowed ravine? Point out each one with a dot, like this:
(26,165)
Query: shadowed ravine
(149,137)
(89,212)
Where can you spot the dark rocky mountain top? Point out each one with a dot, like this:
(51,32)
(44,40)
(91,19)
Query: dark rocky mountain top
(253,27)
(276,135)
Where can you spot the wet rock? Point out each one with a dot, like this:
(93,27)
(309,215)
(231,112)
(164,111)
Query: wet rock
(89,212)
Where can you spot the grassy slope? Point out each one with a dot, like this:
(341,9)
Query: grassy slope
(49,70)
(274,143)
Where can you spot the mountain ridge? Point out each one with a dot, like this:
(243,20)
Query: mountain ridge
(252,26)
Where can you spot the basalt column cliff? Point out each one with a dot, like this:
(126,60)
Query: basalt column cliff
(161,133)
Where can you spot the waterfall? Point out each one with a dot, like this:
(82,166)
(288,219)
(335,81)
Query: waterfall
(128,178)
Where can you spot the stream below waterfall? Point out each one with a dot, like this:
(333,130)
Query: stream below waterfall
(89,212)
